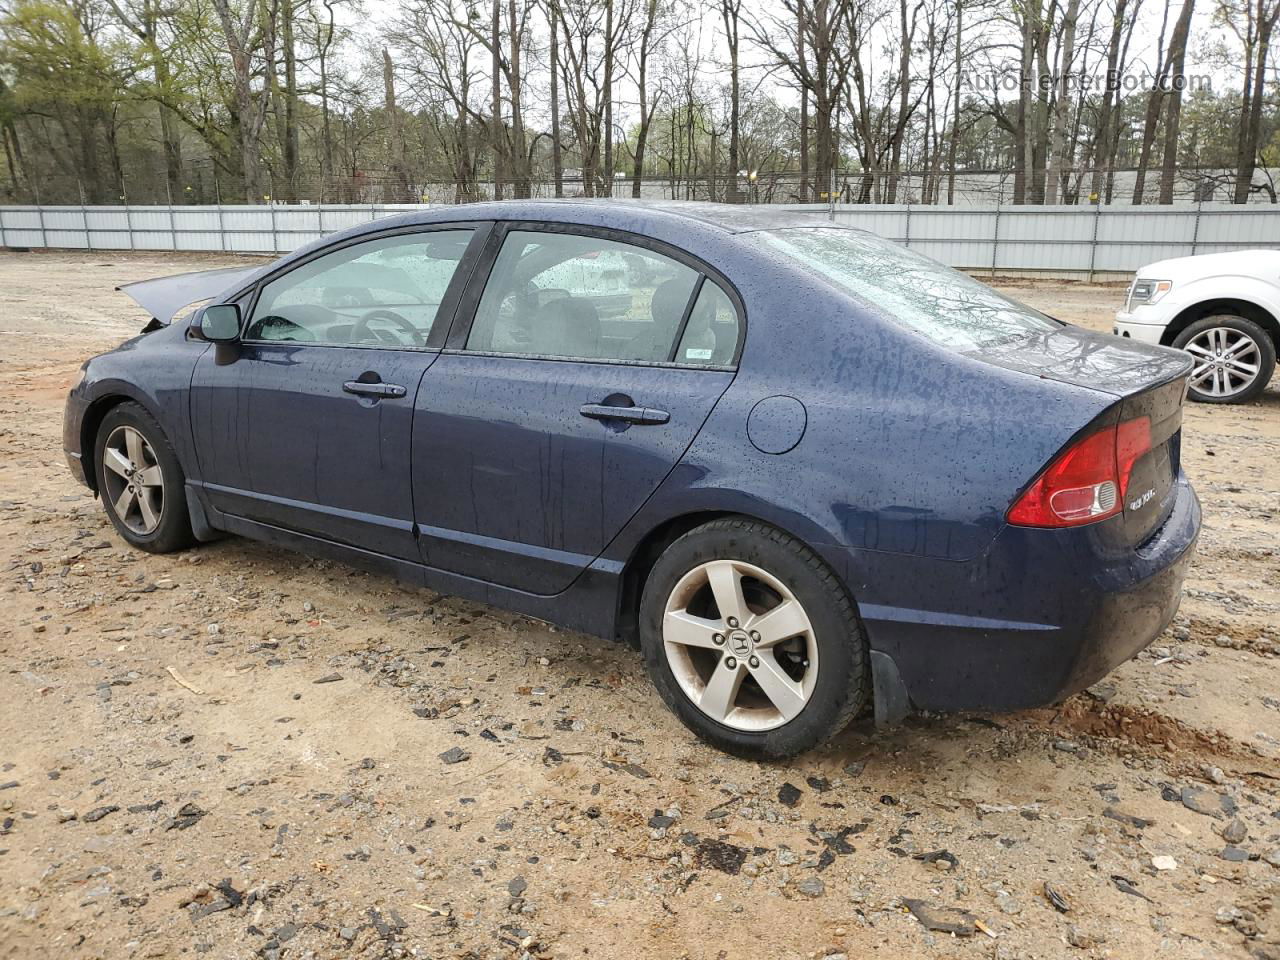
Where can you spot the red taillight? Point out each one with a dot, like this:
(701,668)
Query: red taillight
(1087,482)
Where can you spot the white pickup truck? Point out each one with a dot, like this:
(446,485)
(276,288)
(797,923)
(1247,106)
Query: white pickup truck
(1222,308)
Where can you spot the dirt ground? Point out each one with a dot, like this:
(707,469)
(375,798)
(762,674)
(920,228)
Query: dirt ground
(178,778)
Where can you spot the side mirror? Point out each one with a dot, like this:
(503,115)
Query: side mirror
(220,323)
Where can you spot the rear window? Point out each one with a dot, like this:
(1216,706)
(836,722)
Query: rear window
(945,305)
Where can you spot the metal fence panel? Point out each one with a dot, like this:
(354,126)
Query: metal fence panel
(1079,241)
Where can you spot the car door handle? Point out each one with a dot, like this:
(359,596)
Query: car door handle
(362,389)
(639,415)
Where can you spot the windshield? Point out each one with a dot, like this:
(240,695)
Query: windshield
(945,305)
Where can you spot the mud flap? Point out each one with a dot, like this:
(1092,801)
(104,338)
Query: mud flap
(201,528)
(892,705)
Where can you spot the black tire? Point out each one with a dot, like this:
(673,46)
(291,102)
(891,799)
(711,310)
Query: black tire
(173,531)
(842,687)
(1262,341)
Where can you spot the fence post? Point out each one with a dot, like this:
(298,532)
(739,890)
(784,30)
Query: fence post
(907,239)
(173,226)
(1195,230)
(4,240)
(44,236)
(1093,245)
(275,234)
(995,235)
(831,196)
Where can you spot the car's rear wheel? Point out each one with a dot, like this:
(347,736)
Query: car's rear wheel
(752,640)
(140,481)
(1234,359)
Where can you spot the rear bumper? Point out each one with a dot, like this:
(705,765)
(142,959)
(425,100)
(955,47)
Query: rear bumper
(1042,616)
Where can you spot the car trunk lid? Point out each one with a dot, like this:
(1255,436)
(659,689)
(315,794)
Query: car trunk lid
(1146,381)
(1149,495)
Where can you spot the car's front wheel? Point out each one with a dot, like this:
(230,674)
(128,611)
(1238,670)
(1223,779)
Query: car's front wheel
(140,481)
(752,640)
(1234,359)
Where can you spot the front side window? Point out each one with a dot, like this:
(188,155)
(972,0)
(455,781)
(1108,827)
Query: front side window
(580,297)
(945,305)
(380,293)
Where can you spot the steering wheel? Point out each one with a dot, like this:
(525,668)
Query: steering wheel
(360,331)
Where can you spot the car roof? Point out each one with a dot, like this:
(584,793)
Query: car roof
(697,227)
(626,213)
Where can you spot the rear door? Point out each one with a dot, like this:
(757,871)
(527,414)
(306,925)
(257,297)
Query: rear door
(553,415)
(309,429)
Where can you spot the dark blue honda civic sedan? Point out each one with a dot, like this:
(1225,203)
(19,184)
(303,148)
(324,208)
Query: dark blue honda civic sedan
(805,470)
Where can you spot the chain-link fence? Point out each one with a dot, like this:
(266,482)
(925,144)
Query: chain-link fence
(205,185)
(1083,242)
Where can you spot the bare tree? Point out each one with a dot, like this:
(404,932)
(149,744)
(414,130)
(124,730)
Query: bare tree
(1058,152)
(1173,108)
(245,31)
(1259,22)
(731,17)
(818,52)
(1123,18)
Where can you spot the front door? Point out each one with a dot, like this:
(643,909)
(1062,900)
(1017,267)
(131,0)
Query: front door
(310,428)
(589,367)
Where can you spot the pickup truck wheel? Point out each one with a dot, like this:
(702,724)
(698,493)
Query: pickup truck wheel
(1234,359)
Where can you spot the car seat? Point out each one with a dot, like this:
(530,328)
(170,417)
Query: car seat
(568,328)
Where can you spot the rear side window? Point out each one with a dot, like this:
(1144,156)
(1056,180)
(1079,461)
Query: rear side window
(711,335)
(582,297)
(381,293)
(945,305)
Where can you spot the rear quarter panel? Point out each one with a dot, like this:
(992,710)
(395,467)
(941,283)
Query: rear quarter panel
(911,452)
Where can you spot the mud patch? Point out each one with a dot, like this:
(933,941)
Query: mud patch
(1120,726)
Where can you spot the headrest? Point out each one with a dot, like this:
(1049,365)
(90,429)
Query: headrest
(569,328)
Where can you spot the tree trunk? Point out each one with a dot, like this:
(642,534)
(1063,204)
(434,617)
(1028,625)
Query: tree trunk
(609,41)
(326,158)
(497,133)
(1058,151)
(289,148)
(250,114)
(1039,134)
(557,161)
(646,112)
(170,134)
(804,104)
(729,13)
(395,131)
(955,119)
(1155,100)
(1024,109)
(1251,104)
(1177,58)
(1110,101)
(515,85)
(904,92)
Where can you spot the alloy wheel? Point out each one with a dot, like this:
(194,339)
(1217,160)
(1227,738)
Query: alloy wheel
(1226,361)
(740,645)
(133,480)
